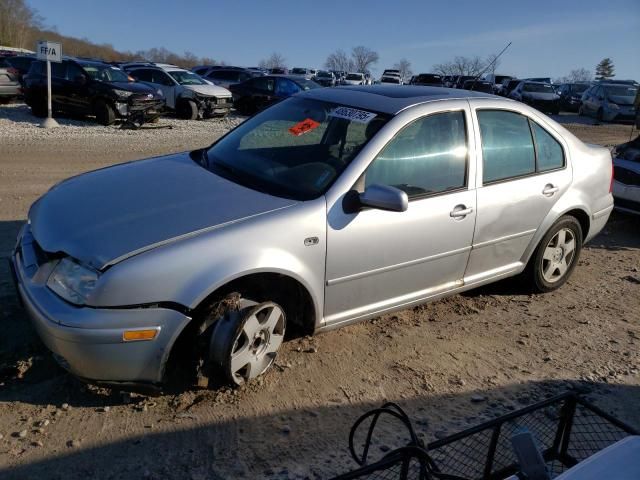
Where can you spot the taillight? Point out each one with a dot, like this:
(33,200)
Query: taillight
(611,183)
(13,71)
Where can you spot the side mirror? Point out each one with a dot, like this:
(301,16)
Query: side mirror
(382,197)
(80,79)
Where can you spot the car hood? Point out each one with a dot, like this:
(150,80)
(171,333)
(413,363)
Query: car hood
(540,95)
(621,100)
(134,87)
(209,90)
(106,216)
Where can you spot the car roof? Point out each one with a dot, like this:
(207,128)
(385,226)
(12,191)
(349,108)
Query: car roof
(388,99)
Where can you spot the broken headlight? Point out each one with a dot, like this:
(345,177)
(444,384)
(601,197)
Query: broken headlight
(72,281)
(122,93)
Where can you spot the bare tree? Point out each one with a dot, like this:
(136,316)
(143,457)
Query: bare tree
(363,58)
(577,75)
(339,61)
(276,60)
(467,66)
(404,66)
(16,21)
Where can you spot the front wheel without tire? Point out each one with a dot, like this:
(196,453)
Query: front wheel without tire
(244,343)
(556,255)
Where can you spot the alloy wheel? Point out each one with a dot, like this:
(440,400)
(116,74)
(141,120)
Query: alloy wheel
(558,255)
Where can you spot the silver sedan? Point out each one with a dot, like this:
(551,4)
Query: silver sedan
(331,207)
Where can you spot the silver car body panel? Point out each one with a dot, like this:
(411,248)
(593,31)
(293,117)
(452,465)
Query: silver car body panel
(108,215)
(188,232)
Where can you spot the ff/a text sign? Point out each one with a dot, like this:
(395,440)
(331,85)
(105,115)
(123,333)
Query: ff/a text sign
(51,51)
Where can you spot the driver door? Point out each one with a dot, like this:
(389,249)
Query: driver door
(380,260)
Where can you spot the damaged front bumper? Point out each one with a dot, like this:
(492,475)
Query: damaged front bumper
(214,106)
(88,341)
(141,108)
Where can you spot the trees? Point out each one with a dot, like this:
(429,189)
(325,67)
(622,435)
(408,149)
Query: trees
(17,20)
(605,69)
(275,60)
(363,58)
(339,61)
(404,66)
(575,76)
(468,66)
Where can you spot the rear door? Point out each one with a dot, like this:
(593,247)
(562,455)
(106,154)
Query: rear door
(522,172)
(78,97)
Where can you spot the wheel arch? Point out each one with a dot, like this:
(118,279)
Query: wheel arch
(288,291)
(580,213)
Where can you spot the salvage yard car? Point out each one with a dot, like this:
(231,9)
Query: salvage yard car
(537,94)
(260,92)
(90,88)
(185,92)
(328,208)
(609,102)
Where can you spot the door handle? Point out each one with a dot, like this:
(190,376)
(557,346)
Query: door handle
(549,190)
(460,211)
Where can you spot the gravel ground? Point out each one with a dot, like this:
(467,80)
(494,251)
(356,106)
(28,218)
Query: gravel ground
(451,364)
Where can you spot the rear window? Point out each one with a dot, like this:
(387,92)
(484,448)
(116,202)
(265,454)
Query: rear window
(507,146)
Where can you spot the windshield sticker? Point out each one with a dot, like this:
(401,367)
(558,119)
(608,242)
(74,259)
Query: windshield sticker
(303,127)
(358,116)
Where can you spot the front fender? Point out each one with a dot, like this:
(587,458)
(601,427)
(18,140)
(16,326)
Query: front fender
(188,270)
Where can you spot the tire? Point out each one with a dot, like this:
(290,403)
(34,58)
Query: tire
(224,333)
(599,115)
(556,256)
(580,111)
(187,110)
(105,114)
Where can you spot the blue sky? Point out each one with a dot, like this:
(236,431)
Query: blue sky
(549,38)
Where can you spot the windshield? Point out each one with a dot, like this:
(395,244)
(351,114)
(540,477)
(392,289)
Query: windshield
(621,91)
(324,74)
(538,88)
(299,71)
(354,76)
(295,149)
(186,78)
(105,73)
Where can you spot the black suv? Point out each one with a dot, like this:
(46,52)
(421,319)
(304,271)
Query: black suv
(90,88)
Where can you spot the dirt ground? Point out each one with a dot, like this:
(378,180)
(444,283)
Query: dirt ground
(451,364)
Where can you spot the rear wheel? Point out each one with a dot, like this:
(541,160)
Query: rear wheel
(105,114)
(600,115)
(187,110)
(556,255)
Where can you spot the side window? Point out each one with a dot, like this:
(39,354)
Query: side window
(286,87)
(58,70)
(264,84)
(427,156)
(507,146)
(161,78)
(142,75)
(73,72)
(548,151)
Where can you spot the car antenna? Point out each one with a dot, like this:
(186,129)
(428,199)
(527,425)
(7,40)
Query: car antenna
(488,66)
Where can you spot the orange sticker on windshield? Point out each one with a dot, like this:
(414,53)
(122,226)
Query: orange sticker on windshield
(303,127)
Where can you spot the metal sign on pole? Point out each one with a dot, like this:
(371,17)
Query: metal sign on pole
(50,52)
